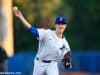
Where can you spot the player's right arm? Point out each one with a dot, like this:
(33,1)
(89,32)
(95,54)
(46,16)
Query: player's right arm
(19,15)
(38,33)
(26,24)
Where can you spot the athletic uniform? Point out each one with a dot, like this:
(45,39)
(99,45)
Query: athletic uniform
(51,50)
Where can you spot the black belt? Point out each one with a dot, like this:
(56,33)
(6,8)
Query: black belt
(45,61)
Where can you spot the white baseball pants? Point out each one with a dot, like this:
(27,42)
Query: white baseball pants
(42,68)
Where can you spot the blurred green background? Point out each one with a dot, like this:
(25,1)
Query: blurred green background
(83,17)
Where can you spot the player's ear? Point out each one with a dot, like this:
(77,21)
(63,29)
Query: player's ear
(66,25)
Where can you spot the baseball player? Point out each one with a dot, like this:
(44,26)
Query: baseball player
(52,46)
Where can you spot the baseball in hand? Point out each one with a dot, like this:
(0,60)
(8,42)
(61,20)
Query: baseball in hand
(15,8)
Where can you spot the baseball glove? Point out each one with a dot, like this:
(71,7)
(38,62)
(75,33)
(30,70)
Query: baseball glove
(67,60)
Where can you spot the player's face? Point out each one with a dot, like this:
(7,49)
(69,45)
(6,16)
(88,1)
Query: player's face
(60,27)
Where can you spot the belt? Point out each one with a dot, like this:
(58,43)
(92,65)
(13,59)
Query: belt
(45,61)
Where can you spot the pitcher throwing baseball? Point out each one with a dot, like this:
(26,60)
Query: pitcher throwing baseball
(53,46)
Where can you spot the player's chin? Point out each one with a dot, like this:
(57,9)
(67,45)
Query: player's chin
(61,30)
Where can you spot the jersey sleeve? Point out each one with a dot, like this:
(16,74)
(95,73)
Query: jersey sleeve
(39,33)
(42,32)
(67,47)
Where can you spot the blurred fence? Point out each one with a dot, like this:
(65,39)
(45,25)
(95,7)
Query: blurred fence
(83,63)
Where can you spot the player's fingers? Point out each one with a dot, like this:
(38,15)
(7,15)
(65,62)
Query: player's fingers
(16,11)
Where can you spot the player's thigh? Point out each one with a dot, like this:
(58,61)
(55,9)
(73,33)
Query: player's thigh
(38,72)
(52,69)
(39,68)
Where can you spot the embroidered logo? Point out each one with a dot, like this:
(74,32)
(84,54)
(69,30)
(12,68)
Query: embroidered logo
(61,19)
(62,47)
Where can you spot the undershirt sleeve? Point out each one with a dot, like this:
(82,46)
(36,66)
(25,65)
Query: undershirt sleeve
(34,31)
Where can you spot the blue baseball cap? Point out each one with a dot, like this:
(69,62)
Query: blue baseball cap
(60,20)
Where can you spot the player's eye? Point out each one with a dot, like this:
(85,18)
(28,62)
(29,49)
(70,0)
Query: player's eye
(61,24)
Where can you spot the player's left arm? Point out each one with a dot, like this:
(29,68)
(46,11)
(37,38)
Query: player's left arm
(67,59)
(67,56)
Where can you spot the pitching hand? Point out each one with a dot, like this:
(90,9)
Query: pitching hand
(17,12)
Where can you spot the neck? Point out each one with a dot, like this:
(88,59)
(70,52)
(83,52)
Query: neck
(59,34)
